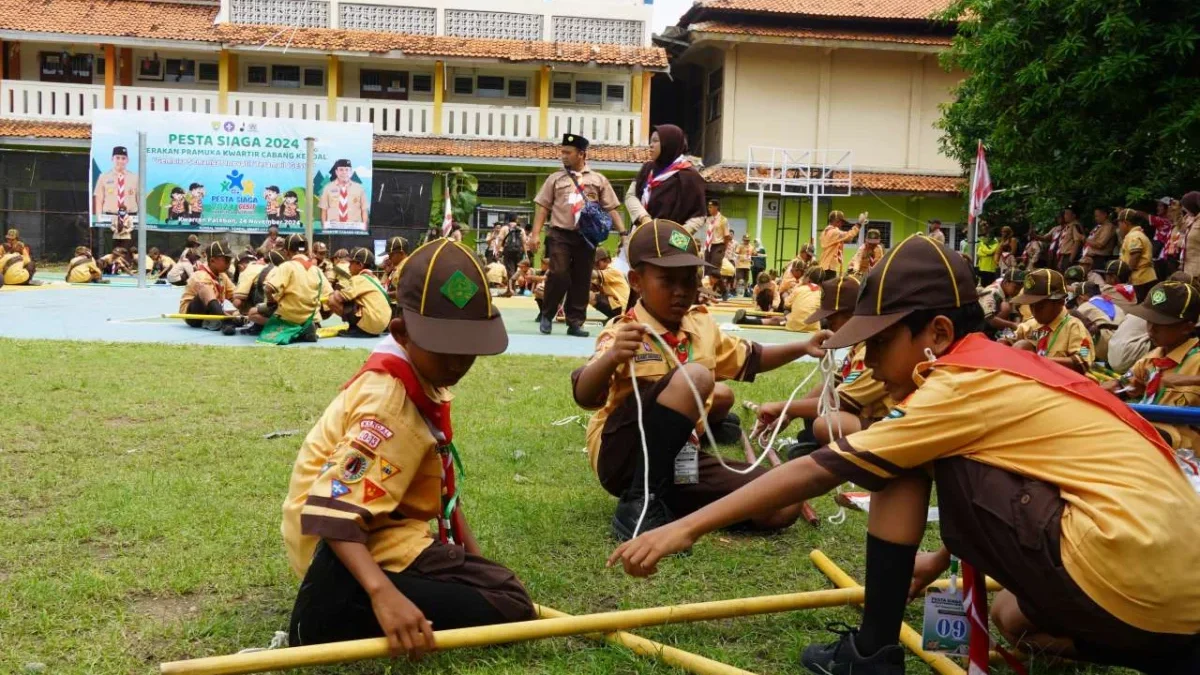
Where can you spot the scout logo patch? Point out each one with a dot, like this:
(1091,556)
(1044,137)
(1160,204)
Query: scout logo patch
(376,426)
(1158,297)
(371,492)
(338,489)
(387,470)
(354,467)
(679,240)
(459,289)
(1029,282)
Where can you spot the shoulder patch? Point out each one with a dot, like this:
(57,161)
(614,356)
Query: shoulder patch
(338,489)
(387,470)
(371,492)
(354,467)
(376,426)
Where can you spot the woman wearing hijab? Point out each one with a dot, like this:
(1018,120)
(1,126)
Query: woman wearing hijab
(668,186)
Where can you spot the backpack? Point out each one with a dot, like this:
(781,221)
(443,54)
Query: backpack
(594,223)
(513,241)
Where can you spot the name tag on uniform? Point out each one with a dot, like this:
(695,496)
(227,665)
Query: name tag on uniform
(653,356)
(687,463)
(946,629)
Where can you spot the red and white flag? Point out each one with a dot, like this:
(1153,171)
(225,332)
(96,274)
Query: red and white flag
(981,185)
(975,603)
(448,219)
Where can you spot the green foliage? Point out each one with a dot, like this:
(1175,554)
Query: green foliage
(1092,103)
(463,198)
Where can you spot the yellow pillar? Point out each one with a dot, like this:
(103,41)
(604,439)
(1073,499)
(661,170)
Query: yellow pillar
(439,93)
(225,80)
(110,76)
(646,104)
(635,93)
(544,103)
(333,84)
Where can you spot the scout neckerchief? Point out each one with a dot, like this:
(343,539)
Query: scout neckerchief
(1055,239)
(343,202)
(1087,248)
(710,225)
(657,179)
(120,189)
(389,357)
(1048,338)
(682,346)
(1154,389)
(202,267)
(1105,305)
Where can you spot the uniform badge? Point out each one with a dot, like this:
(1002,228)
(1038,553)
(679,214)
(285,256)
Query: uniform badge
(376,426)
(338,489)
(325,467)
(369,438)
(854,375)
(896,413)
(459,289)
(679,240)
(387,470)
(371,492)
(354,467)
(1158,297)
(1029,282)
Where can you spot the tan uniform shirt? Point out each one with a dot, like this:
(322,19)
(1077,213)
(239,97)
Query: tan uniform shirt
(13,265)
(832,242)
(1101,241)
(245,282)
(497,274)
(1137,252)
(860,393)
(374,311)
(83,270)
(558,196)
(110,189)
(221,286)
(298,290)
(938,235)
(862,262)
(716,227)
(806,300)
(1066,337)
(614,285)
(343,203)
(1187,359)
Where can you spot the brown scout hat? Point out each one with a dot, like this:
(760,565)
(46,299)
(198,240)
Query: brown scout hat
(363,257)
(397,245)
(1169,303)
(320,247)
(837,295)
(917,274)
(873,236)
(193,240)
(444,299)
(296,243)
(275,257)
(1043,284)
(218,249)
(1118,268)
(664,243)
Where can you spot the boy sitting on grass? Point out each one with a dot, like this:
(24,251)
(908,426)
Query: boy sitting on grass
(379,465)
(1069,500)
(666,274)
(1052,332)
(361,302)
(804,299)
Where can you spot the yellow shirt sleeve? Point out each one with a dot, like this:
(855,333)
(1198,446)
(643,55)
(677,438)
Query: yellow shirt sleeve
(1079,343)
(279,278)
(731,355)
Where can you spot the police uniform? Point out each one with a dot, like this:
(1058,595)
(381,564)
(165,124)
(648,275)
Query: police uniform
(343,202)
(376,469)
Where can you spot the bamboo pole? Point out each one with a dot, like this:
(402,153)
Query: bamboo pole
(693,663)
(202,317)
(482,636)
(909,637)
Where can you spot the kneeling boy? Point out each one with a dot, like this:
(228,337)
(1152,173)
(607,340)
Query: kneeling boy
(666,275)
(208,289)
(378,467)
(1069,500)
(362,302)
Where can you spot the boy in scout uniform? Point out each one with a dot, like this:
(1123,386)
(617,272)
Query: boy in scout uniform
(13,243)
(117,188)
(1052,332)
(16,264)
(361,301)
(320,256)
(742,259)
(996,300)
(296,291)
(82,269)
(380,464)
(868,255)
(159,265)
(343,200)
(1101,315)
(249,273)
(195,202)
(1137,252)
(666,273)
(834,240)
(1069,518)
(610,290)
(208,289)
(1170,373)
(1116,277)
(716,226)
(397,253)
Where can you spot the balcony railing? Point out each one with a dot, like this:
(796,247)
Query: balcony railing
(53,102)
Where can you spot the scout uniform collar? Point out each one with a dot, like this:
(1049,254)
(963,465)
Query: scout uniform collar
(1181,353)
(681,341)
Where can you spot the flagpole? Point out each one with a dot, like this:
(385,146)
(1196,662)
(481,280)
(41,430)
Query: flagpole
(309,161)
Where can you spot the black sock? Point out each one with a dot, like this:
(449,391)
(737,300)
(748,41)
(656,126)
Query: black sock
(215,308)
(667,430)
(889,574)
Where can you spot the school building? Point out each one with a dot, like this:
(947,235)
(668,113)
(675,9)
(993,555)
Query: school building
(830,75)
(485,86)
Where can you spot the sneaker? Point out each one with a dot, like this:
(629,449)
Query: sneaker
(213,325)
(576,331)
(802,449)
(545,325)
(842,657)
(629,509)
(728,431)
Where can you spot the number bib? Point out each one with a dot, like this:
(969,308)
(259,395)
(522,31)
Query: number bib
(946,628)
(687,463)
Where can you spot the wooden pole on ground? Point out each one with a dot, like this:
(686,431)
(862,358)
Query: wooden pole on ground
(482,636)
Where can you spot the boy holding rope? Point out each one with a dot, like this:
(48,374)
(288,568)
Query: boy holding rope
(646,437)
(1086,525)
(361,301)
(380,464)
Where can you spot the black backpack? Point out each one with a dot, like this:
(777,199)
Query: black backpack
(513,245)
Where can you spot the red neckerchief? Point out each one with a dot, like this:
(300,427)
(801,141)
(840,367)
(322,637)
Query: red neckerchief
(1126,291)
(201,267)
(344,202)
(1155,382)
(680,345)
(307,263)
(120,189)
(655,180)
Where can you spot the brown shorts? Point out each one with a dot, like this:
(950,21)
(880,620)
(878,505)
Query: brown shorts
(621,448)
(1010,527)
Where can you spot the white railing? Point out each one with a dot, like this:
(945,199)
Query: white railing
(390,118)
(605,128)
(493,122)
(164,100)
(243,104)
(56,102)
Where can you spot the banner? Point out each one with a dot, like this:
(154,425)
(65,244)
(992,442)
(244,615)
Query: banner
(229,174)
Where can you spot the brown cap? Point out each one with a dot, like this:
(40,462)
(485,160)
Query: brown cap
(13,234)
(296,243)
(193,240)
(1013,276)
(837,295)
(873,236)
(1119,269)
(397,245)
(917,274)
(363,257)
(82,250)
(444,299)
(663,243)
(1168,303)
(320,247)
(1043,284)
(275,257)
(218,249)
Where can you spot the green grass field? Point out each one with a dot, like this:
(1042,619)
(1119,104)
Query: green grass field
(140,516)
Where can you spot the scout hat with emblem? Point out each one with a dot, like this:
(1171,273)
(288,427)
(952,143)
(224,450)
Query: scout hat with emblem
(575,141)
(444,299)
(664,243)
(873,237)
(837,295)
(1043,284)
(363,257)
(320,247)
(1074,273)
(1013,276)
(218,249)
(1170,302)
(1119,269)
(120,151)
(296,243)
(397,245)
(917,274)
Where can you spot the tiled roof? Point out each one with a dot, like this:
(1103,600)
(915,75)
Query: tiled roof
(437,146)
(194,23)
(854,9)
(818,33)
(733,174)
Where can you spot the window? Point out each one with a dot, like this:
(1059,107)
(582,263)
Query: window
(614,93)
(150,69)
(256,75)
(518,88)
(516,189)
(712,102)
(314,77)
(285,76)
(389,84)
(490,86)
(181,70)
(53,68)
(588,92)
(500,189)
(560,90)
(100,66)
(885,232)
(206,71)
(422,84)
(464,85)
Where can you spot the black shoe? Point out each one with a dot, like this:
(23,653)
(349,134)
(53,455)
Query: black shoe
(228,328)
(575,331)
(629,509)
(842,657)
(728,431)
(802,449)
(310,334)
(546,325)
(739,316)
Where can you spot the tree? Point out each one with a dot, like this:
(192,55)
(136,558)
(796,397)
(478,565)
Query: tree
(463,197)
(1090,103)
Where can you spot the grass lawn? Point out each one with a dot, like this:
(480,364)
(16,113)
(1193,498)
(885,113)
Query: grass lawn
(140,516)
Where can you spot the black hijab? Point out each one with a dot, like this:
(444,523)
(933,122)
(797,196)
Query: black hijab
(680,197)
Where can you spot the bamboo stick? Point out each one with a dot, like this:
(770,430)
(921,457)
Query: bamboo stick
(481,636)
(909,637)
(202,317)
(693,663)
